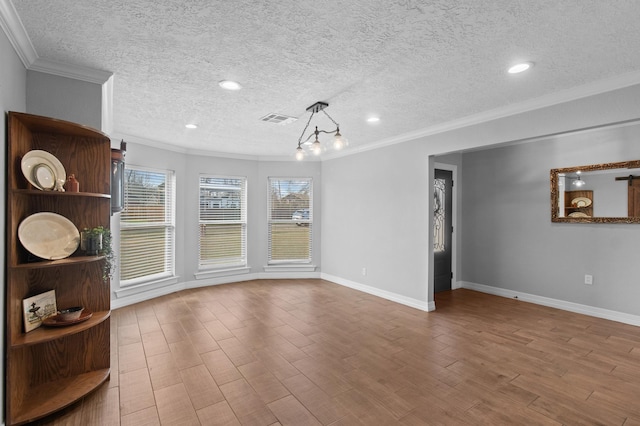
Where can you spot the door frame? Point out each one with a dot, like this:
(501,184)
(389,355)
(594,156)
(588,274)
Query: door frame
(454,221)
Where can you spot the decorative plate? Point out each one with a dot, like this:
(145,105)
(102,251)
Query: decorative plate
(581,202)
(49,235)
(56,321)
(578,214)
(44,176)
(34,167)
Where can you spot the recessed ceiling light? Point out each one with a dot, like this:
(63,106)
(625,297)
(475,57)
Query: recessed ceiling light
(191,126)
(230,85)
(373,119)
(520,67)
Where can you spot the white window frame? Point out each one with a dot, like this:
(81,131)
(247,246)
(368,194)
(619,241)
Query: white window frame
(275,221)
(168,224)
(237,262)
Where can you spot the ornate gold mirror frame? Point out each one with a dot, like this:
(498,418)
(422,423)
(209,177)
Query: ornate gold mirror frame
(556,174)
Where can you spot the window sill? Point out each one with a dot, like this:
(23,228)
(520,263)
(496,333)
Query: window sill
(216,273)
(147,286)
(290,268)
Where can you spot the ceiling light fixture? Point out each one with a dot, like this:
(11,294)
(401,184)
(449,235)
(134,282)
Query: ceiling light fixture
(230,85)
(373,119)
(191,126)
(518,68)
(577,181)
(338,141)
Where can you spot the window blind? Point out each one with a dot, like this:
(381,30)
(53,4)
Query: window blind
(147,226)
(290,217)
(223,222)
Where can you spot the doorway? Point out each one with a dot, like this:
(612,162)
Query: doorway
(443,229)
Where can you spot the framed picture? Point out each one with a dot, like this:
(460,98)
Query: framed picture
(38,308)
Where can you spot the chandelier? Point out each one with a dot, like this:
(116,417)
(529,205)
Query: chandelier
(338,141)
(577,181)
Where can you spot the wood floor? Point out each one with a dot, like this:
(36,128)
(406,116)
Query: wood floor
(309,352)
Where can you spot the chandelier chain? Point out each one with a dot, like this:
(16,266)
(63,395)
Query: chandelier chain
(334,121)
(306,127)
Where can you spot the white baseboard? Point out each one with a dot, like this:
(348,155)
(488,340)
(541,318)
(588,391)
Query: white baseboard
(162,291)
(283,275)
(555,303)
(276,275)
(229,279)
(394,297)
(147,295)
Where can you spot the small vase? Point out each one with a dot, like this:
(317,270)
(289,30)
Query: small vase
(72,184)
(91,244)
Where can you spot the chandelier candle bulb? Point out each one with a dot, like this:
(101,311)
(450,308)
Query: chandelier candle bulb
(338,142)
(315,147)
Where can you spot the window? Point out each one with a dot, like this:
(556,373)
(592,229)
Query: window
(439,236)
(223,222)
(290,216)
(147,226)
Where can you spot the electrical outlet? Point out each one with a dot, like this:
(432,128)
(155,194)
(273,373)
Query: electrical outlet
(364,272)
(588,279)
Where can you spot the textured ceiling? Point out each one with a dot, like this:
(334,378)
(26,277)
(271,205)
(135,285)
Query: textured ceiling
(415,64)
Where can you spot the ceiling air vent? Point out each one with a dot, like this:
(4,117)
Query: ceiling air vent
(278,118)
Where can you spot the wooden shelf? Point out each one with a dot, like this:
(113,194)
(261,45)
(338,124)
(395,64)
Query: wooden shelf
(50,397)
(577,208)
(47,334)
(59,262)
(60,194)
(571,195)
(51,367)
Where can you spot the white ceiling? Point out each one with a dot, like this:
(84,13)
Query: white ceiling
(415,64)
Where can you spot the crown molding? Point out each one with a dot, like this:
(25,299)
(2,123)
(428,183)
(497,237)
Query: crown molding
(230,155)
(19,39)
(16,33)
(132,139)
(77,72)
(116,137)
(563,96)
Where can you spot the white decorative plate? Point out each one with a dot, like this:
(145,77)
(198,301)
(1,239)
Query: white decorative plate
(581,202)
(578,214)
(44,176)
(34,167)
(49,235)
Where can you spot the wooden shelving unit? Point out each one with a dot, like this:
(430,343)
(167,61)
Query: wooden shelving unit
(570,208)
(48,369)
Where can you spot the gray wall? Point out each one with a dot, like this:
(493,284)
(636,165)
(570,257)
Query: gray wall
(510,242)
(64,98)
(12,98)
(375,217)
(188,168)
(376,210)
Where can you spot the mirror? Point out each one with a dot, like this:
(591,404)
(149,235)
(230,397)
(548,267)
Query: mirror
(598,193)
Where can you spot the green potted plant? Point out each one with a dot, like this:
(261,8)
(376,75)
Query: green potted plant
(97,242)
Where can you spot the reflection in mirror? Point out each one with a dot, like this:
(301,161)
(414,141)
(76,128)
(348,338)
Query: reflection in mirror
(597,193)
